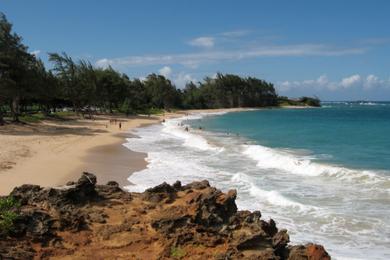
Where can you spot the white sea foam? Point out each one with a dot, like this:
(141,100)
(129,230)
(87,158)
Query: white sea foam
(372,104)
(176,128)
(166,167)
(269,158)
(363,103)
(272,197)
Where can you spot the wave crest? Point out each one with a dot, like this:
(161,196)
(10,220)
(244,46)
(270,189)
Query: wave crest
(269,158)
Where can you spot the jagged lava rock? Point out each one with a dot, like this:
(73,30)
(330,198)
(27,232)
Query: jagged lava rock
(194,221)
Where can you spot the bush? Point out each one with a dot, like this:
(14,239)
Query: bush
(177,252)
(32,118)
(310,101)
(8,214)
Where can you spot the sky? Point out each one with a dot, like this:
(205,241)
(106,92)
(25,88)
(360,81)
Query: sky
(336,50)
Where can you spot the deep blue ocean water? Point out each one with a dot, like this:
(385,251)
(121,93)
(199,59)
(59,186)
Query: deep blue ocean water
(352,134)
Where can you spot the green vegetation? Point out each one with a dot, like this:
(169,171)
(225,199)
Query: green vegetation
(313,102)
(177,252)
(8,215)
(30,92)
(32,118)
(303,101)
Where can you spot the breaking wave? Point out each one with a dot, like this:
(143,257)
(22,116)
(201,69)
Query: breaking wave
(271,158)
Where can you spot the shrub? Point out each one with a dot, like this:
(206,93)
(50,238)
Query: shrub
(177,252)
(8,214)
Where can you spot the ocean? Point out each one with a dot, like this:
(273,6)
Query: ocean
(321,173)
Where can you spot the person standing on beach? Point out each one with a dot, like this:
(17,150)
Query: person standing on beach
(120,125)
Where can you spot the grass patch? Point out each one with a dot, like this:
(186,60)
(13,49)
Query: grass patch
(152,111)
(63,114)
(37,117)
(8,215)
(177,252)
(32,118)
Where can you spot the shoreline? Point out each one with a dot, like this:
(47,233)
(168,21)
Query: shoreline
(51,153)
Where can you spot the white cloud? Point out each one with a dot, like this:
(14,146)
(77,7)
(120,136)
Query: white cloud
(35,53)
(214,76)
(209,41)
(165,71)
(237,33)
(142,78)
(323,83)
(205,42)
(322,80)
(350,81)
(194,59)
(182,79)
(104,63)
(288,85)
(372,81)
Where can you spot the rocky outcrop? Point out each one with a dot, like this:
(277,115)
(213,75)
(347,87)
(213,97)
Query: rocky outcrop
(194,221)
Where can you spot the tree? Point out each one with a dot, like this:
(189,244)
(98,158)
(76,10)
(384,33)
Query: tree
(78,80)
(310,101)
(16,68)
(46,87)
(192,97)
(135,97)
(111,87)
(160,91)
(259,93)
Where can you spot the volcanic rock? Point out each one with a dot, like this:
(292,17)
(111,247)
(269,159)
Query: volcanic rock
(194,221)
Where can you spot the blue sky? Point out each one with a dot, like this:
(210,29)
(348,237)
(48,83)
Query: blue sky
(337,50)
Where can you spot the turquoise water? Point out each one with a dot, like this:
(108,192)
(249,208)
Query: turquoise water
(349,134)
(321,173)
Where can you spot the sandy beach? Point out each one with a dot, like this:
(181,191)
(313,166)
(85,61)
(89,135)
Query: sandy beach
(50,153)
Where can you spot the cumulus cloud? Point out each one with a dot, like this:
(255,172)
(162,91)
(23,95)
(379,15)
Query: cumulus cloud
(165,71)
(197,58)
(179,79)
(103,63)
(35,53)
(350,81)
(323,83)
(373,81)
(205,42)
(182,79)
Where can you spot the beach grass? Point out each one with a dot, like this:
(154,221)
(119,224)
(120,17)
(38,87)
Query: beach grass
(178,252)
(8,215)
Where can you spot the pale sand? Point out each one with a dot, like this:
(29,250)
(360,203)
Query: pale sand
(52,153)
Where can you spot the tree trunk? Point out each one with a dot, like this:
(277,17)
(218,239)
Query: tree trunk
(15,108)
(76,109)
(46,109)
(1,117)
